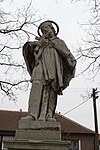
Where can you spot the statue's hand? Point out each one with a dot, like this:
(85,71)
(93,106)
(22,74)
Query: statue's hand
(44,41)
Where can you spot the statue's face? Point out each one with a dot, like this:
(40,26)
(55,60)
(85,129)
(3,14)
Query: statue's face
(47,30)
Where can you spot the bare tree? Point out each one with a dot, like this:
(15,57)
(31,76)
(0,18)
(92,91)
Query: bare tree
(89,52)
(15,29)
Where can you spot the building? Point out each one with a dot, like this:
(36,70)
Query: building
(82,138)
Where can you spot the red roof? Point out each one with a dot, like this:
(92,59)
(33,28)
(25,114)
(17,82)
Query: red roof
(9,122)
(70,126)
(9,119)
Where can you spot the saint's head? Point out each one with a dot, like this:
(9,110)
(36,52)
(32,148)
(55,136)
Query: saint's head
(48,29)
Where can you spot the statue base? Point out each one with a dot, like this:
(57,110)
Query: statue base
(37,135)
(38,130)
(36,145)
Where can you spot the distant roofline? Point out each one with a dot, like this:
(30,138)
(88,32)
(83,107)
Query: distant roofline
(76,123)
(80,129)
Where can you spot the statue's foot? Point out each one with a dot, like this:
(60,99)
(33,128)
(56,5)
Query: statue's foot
(27,118)
(41,119)
(51,119)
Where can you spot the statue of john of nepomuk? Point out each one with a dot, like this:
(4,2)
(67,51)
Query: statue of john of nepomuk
(51,66)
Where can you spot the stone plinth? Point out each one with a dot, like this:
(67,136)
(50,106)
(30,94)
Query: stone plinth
(37,145)
(38,130)
(30,124)
(37,135)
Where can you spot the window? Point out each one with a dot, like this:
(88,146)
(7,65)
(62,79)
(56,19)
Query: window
(75,145)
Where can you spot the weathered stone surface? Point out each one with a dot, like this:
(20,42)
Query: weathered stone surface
(36,145)
(30,124)
(38,130)
(38,135)
(51,66)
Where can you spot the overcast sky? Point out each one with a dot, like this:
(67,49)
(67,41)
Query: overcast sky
(66,15)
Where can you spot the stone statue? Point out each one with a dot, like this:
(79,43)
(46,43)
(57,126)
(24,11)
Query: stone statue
(51,66)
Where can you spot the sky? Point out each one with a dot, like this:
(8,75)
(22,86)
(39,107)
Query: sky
(68,16)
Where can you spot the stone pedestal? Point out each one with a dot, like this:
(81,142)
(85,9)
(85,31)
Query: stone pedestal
(38,130)
(36,145)
(37,135)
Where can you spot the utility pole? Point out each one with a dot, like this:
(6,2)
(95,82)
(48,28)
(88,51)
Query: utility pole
(1,142)
(94,95)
